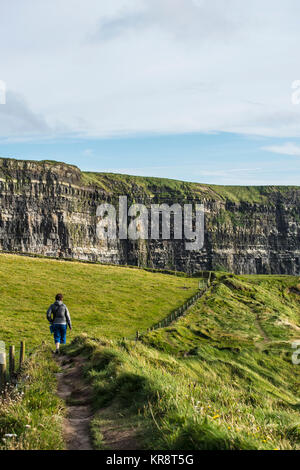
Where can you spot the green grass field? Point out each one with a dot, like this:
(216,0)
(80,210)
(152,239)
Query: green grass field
(221,377)
(103,300)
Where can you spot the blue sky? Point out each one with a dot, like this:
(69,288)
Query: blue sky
(199,90)
(216,159)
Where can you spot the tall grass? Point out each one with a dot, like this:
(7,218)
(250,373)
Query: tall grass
(31,414)
(214,400)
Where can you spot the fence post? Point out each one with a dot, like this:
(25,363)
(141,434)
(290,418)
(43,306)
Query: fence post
(22,353)
(2,370)
(11,362)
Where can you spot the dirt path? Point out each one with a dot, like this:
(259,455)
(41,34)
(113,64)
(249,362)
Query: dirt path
(115,430)
(77,395)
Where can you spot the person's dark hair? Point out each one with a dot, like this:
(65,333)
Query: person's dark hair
(59,297)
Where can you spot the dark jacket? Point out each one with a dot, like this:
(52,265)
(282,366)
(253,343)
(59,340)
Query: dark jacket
(58,314)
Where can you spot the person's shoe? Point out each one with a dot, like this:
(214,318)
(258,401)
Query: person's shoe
(57,352)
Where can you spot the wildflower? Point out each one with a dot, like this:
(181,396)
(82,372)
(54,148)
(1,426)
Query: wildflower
(216,416)
(10,435)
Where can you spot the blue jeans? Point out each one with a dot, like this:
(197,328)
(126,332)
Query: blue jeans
(60,333)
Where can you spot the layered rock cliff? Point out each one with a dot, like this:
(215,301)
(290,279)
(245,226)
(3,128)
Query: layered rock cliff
(49,208)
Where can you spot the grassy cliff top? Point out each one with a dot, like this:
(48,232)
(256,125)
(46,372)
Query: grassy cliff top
(142,186)
(169,188)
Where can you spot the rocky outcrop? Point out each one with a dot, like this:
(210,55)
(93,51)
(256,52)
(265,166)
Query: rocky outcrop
(49,208)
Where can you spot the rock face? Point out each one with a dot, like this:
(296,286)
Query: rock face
(49,208)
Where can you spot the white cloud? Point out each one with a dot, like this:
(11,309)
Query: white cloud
(183,19)
(286,149)
(157,66)
(16,117)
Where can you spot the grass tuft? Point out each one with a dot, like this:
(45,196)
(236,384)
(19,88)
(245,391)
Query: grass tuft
(31,415)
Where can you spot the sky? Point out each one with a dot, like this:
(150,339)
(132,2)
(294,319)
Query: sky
(199,90)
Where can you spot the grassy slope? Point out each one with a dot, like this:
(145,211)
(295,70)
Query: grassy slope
(219,378)
(103,300)
(238,311)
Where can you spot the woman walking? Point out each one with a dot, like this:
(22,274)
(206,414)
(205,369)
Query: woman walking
(59,318)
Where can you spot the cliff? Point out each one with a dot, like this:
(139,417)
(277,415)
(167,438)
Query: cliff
(49,208)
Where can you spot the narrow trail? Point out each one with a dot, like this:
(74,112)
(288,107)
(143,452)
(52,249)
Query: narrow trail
(117,433)
(77,395)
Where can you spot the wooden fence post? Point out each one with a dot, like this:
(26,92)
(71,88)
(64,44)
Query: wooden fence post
(2,370)
(11,361)
(22,353)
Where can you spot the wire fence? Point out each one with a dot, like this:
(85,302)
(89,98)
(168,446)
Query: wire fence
(11,363)
(203,285)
